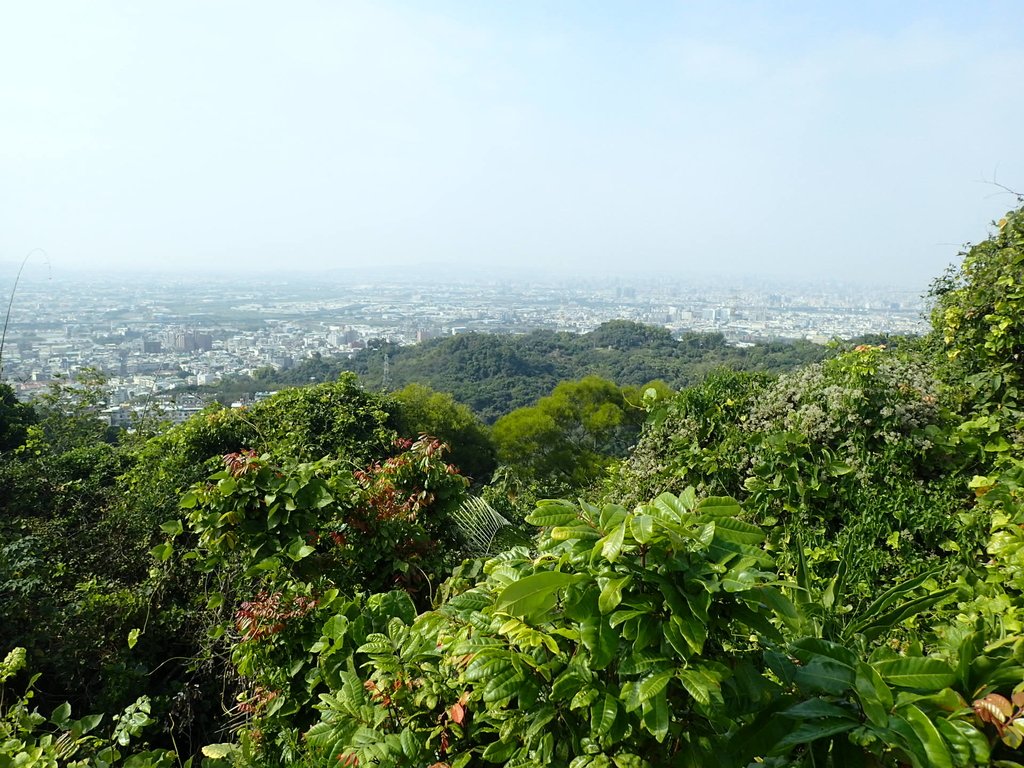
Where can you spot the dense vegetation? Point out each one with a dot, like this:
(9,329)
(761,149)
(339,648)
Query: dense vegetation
(494,374)
(818,568)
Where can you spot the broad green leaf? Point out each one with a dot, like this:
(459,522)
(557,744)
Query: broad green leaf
(562,533)
(612,543)
(642,528)
(967,745)
(189,500)
(817,708)
(486,666)
(612,515)
(87,723)
(569,683)
(611,594)
(410,746)
(671,507)
(600,639)
(698,685)
(653,684)
(219,751)
(916,672)
(692,630)
(60,715)
(655,716)
(806,649)
(815,730)
(533,595)
(172,527)
(719,506)
(826,675)
(499,751)
(162,552)
(739,580)
(934,746)
(887,598)
(875,696)
(503,685)
(553,513)
(133,637)
(602,715)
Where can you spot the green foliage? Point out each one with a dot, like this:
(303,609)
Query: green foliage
(852,451)
(979,314)
(29,738)
(422,411)
(495,375)
(15,419)
(611,644)
(282,544)
(565,441)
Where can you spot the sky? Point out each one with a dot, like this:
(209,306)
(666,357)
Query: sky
(852,141)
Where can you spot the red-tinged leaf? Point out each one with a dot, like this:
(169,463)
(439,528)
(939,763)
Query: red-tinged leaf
(457,713)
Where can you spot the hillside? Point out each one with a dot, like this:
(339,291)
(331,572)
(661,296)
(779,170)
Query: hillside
(823,568)
(495,374)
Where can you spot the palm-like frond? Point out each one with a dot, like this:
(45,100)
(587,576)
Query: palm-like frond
(479,524)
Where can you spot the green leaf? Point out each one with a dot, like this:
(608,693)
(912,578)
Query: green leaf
(967,745)
(934,746)
(916,672)
(533,595)
(612,515)
(671,507)
(653,684)
(611,594)
(410,745)
(815,730)
(692,631)
(719,506)
(499,751)
(655,716)
(817,708)
(825,675)
(642,528)
(603,714)
(162,552)
(887,598)
(807,648)
(502,686)
(875,696)
(600,639)
(698,685)
(219,751)
(874,628)
(737,532)
(61,714)
(133,637)
(612,543)
(87,723)
(553,513)
(189,500)
(172,527)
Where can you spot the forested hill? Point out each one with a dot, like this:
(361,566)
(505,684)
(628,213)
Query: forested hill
(497,374)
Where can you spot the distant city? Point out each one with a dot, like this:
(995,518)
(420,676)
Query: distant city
(153,336)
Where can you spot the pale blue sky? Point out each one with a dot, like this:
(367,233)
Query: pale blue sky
(823,140)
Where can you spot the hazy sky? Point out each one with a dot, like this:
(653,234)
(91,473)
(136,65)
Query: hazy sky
(823,139)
